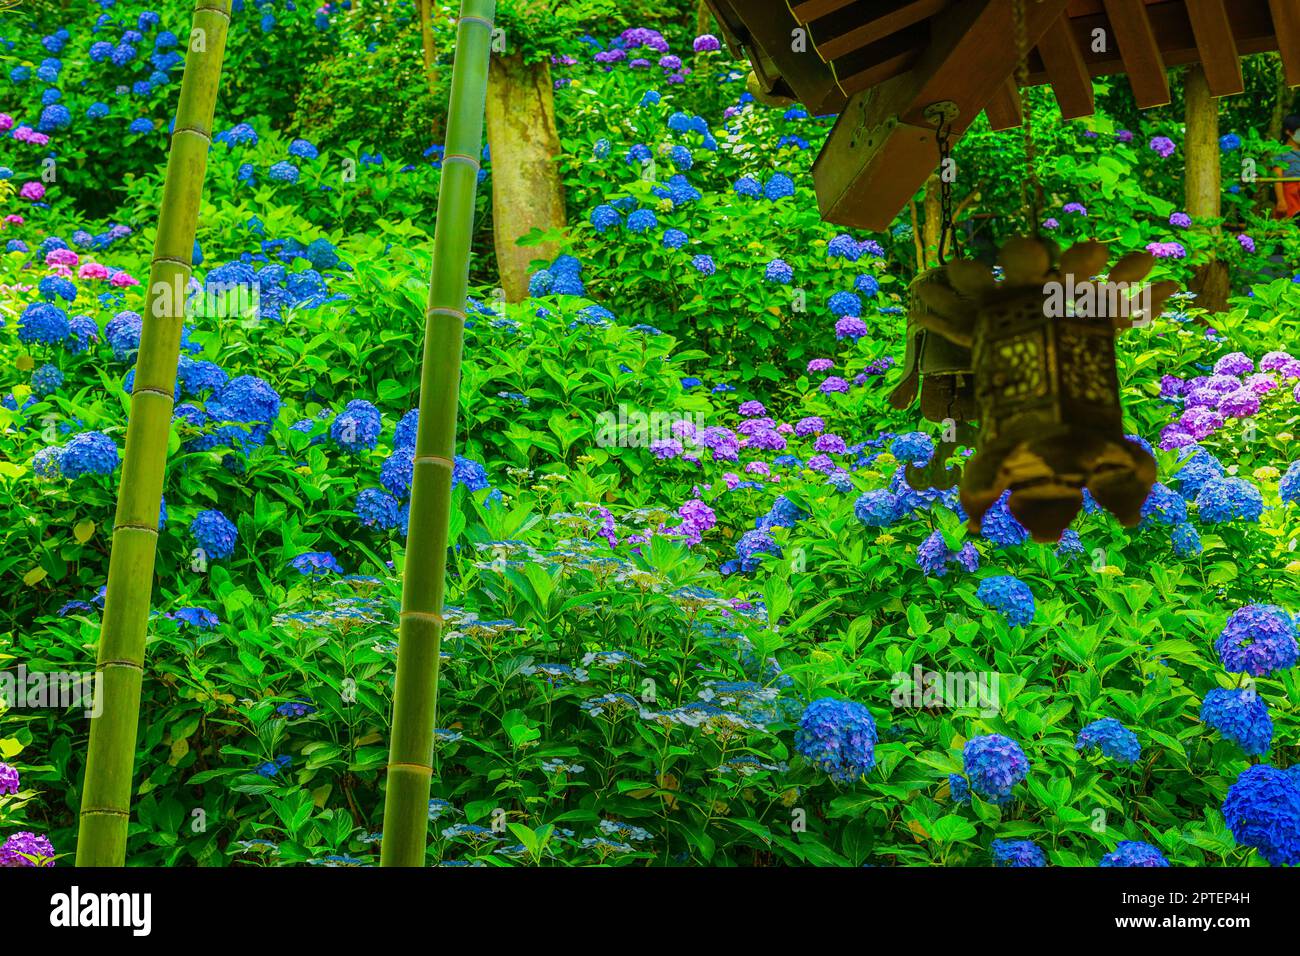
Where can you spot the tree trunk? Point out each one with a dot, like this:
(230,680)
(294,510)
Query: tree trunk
(527,193)
(415,697)
(1204,180)
(110,757)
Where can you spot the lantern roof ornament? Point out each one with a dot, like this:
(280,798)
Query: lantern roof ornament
(878,64)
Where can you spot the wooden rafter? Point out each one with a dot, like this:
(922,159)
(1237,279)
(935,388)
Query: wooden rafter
(1217,48)
(1131,31)
(861,25)
(882,148)
(1003,110)
(1286,25)
(880,61)
(1065,66)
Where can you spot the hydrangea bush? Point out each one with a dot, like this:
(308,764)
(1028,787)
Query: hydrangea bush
(695,604)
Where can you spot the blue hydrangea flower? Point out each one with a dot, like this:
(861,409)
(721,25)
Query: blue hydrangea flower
(674,239)
(877,509)
(1163,506)
(1000,526)
(196,377)
(703,265)
(994,764)
(1262,810)
(283,172)
(779,272)
(90,453)
(1070,547)
(123,335)
(42,324)
(1198,468)
(198,617)
(407,427)
(605,217)
(316,562)
(52,288)
(916,448)
(377,509)
(469,473)
(1288,489)
(357,427)
(1111,738)
(1134,853)
(752,544)
(642,220)
(1226,499)
(958,789)
(839,737)
(46,380)
(778,186)
(303,149)
(1010,596)
(215,534)
(398,469)
(844,303)
(748,186)
(1017,853)
(1240,716)
(1186,540)
(1258,639)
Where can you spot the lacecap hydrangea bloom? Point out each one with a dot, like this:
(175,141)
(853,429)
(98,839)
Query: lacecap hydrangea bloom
(1262,810)
(315,563)
(1258,639)
(994,764)
(839,737)
(1241,716)
(1008,595)
(1111,738)
(1134,853)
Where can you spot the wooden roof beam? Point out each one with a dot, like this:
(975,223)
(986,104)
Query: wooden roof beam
(772,40)
(1131,31)
(1066,70)
(1286,25)
(1217,46)
(882,149)
(861,25)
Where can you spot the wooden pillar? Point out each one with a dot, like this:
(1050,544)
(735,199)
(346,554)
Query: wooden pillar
(1204,182)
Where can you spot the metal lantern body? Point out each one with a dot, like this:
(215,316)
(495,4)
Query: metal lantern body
(1046,386)
(934,365)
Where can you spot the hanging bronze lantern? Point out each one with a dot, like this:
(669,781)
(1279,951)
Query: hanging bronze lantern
(1046,384)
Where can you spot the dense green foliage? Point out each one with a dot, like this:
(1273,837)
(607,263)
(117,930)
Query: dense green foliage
(620,683)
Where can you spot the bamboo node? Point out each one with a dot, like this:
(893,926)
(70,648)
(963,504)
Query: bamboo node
(422,768)
(422,616)
(442,310)
(460,158)
(180,262)
(220,11)
(150,390)
(468,18)
(104,812)
(128,526)
(202,134)
(434,460)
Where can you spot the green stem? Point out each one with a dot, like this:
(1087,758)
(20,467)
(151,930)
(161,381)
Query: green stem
(106,796)
(410,759)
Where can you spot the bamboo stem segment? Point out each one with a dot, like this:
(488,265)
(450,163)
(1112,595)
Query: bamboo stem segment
(410,760)
(106,796)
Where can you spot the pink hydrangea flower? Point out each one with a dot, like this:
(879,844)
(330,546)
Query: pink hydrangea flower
(62,257)
(33,191)
(122,279)
(6,122)
(92,270)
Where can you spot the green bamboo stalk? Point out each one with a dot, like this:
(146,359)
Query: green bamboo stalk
(415,698)
(106,796)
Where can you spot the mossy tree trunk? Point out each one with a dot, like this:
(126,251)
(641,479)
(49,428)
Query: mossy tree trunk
(106,796)
(1204,182)
(527,192)
(415,699)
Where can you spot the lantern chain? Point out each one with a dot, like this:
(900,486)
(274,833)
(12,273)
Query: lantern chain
(942,115)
